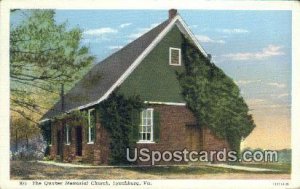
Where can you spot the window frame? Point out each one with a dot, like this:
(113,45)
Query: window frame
(90,141)
(68,135)
(151,140)
(170,56)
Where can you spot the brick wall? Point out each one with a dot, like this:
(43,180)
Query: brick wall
(178,131)
(97,153)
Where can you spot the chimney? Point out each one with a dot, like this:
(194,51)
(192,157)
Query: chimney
(172,13)
(209,57)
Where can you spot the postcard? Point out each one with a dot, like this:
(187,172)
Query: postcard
(149,94)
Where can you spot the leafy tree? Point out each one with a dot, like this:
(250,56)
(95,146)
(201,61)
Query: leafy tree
(43,55)
(21,130)
(214,98)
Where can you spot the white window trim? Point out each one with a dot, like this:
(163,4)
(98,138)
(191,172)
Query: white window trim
(51,133)
(67,135)
(89,120)
(170,56)
(145,142)
(166,103)
(152,131)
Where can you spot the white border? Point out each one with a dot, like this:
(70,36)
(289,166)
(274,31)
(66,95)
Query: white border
(295,118)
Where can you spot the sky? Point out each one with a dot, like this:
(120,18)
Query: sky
(252,47)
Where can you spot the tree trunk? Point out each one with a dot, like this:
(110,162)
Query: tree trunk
(27,142)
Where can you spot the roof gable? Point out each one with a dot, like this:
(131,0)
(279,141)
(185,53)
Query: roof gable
(155,80)
(112,71)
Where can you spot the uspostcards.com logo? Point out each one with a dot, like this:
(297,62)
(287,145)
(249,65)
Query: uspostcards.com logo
(154,156)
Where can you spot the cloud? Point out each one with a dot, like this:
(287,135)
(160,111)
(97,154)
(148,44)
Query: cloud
(233,30)
(97,39)
(261,104)
(114,47)
(246,82)
(273,84)
(193,26)
(141,31)
(278,85)
(100,31)
(125,25)
(135,35)
(267,52)
(282,95)
(206,39)
(255,102)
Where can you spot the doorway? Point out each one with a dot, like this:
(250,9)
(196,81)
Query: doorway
(78,141)
(59,143)
(194,137)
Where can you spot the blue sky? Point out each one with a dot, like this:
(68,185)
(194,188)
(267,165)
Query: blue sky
(252,47)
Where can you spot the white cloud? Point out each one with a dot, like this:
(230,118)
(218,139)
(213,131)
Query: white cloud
(255,102)
(141,31)
(193,26)
(275,84)
(100,31)
(246,82)
(125,25)
(267,52)
(233,30)
(97,39)
(282,95)
(135,35)
(206,39)
(114,47)
(260,104)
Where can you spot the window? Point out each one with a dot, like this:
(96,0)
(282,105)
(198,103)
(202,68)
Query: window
(67,135)
(175,56)
(92,126)
(146,126)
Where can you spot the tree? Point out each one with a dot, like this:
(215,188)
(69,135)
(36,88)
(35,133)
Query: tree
(21,130)
(43,55)
(214,98)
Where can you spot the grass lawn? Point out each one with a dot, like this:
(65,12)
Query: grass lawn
(32,170)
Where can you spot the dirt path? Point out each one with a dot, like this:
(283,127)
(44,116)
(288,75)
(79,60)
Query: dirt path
(33,170)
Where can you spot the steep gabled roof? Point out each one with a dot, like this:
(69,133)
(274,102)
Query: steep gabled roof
(105,76)
(105,73)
